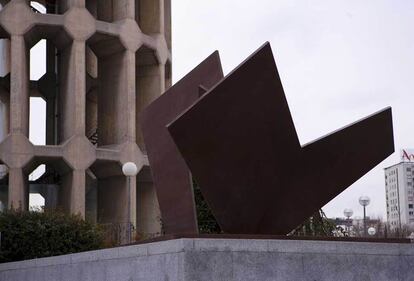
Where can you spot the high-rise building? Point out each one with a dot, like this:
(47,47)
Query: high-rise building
(105,61)
(399,191)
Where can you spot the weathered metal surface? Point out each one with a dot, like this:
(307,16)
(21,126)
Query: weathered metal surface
(240,144)
(171,177)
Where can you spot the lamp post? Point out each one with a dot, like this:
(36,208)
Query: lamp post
(129,169)
(348,214)
(364,201)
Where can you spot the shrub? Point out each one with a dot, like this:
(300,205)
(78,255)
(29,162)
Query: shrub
(207,223)
(28,235)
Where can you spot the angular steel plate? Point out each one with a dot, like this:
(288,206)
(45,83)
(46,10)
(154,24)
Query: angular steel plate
(240,144)
(171,177)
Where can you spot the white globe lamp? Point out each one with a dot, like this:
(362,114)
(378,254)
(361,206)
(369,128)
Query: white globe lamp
(364,201)
(372,231)
(348,213)
(130,169)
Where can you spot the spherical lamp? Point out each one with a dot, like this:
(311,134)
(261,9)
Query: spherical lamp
(364,201)
(348,213)
(130,169)
(372,231)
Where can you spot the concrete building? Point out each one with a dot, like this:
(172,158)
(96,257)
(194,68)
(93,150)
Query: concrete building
(399,190)
(105,61)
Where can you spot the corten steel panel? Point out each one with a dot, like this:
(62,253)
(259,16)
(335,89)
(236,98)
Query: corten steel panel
(240,144)
(171,177)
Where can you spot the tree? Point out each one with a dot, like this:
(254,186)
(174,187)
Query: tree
(207,223)
(318,225)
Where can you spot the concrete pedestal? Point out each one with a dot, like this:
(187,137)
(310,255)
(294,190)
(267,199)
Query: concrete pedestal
(225,259)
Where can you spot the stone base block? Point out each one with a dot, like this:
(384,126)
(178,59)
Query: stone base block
(225,259)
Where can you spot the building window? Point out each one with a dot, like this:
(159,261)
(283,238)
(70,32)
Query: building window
(410,206)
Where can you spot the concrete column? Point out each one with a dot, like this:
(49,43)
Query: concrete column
(4,112)
(72,90)
(4,97)
(50,97)
(19,89)
(116,98)
(18,189)
(4,57)
(72,194)
(92,94)
(65,5)
(113,199)
(148,210)
(150,85)
(72,79)
(130,80)
(19,117)
(149,15)
(167,22)
(114,10)
(123,9)
(104,10)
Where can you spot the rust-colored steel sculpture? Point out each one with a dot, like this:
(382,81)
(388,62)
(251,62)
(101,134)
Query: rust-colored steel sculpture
(240,144)
(171,177)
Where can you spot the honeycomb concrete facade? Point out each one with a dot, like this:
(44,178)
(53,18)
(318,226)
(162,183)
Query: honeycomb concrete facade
(105,61)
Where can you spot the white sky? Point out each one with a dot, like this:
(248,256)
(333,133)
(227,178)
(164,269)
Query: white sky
(339,60)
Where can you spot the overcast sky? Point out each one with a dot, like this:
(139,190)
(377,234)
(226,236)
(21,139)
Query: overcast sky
(339,61)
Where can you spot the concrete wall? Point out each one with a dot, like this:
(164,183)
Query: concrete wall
(104,64)
(225,259)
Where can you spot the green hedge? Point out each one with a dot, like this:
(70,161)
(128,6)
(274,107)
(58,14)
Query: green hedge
(28,235)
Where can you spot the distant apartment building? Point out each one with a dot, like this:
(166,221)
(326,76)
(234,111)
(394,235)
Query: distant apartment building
(399,190)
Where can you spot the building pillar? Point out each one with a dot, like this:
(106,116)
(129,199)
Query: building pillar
(65,5)
(150,16)
(72,90)
(19,119)
(73,106)
(116,101)
(19,88)
(116,98)
(150,85)
(123,9)
(72,194)
(148,211)
(113,198)
(18,189)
